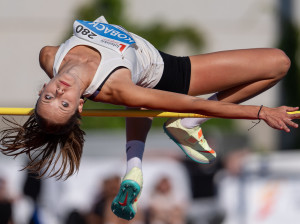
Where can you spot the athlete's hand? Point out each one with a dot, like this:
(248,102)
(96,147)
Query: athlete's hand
(279,118)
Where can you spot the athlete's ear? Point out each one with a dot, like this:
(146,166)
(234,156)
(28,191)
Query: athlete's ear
(80,107)
(40,92)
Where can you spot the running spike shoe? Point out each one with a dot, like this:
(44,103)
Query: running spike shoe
(125,203)
(191,141)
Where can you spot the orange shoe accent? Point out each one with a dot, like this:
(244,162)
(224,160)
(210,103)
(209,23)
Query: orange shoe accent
(200,133)
(210,151)
(125,201)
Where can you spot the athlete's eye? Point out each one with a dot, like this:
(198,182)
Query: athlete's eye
(65,104)
(47,97)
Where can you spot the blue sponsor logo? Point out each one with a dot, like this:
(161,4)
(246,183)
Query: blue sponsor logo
(108,31)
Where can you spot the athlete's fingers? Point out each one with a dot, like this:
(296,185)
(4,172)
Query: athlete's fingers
(292,109)
(291,123)
(293,112)
(284,127)
(294,116)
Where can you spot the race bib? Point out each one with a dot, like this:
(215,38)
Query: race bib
(107,35)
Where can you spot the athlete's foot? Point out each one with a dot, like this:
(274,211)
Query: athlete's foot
(191,141)
(125,203)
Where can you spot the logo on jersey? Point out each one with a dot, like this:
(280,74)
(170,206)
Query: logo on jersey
(107,35)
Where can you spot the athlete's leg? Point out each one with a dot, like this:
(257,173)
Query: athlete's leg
(234,76)
(237,75)
(136,134)
(125,203)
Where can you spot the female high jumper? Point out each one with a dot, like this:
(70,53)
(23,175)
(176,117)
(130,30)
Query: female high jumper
(107,64)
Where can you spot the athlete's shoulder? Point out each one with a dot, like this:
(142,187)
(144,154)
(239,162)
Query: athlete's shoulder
(46,59)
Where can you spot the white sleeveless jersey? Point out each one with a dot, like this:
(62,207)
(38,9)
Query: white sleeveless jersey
(118,48)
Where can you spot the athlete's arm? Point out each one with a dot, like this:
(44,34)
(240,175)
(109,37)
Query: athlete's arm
(123,91)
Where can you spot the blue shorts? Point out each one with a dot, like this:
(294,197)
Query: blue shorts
(176,75)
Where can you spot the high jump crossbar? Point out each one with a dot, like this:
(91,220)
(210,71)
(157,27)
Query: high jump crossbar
(110,113)
(104,113)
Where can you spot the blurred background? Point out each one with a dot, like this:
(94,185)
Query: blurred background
(256,176)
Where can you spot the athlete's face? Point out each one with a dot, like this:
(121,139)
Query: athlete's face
(59,99)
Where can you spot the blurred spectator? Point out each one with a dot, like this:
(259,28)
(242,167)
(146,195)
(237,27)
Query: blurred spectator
(76,217)
(164,206)
(234,161)
(32,189)
(101,212)
(230,182)
(205,208)
(5,204)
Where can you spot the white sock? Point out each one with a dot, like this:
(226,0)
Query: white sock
(134,153)
(193,122)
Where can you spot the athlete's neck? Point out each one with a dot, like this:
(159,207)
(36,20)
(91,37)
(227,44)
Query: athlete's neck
(83,62)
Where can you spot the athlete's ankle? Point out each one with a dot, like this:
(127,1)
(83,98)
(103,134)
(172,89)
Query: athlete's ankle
(134,152)
(132,167)
(190,123)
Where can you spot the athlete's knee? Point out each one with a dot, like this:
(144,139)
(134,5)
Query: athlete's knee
(282,63)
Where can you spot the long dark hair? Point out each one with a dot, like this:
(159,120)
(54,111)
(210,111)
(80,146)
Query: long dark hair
(46,144)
